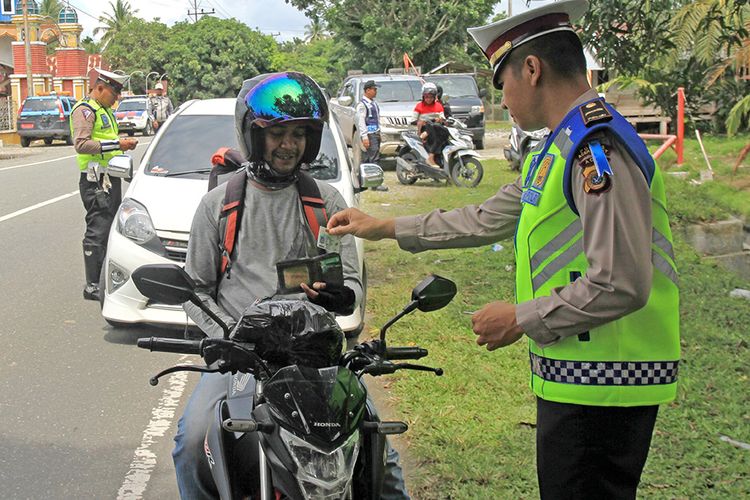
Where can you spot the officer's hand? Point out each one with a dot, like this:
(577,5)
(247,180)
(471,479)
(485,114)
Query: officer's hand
(128,144)
(335,298)
(366,142)
(156,125)
(353,221)
(496,326)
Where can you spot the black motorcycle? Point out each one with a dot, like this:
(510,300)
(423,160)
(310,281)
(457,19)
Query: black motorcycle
(305,431)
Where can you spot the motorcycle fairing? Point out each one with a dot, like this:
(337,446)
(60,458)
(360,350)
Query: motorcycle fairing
(323,406)
(218,451)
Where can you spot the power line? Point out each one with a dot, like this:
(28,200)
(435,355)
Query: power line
(195,12)
(83,11)
(220,8)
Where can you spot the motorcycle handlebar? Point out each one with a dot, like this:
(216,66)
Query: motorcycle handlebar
(170,345)
(404,353)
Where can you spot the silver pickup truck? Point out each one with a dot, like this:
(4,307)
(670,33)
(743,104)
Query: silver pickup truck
(397,96)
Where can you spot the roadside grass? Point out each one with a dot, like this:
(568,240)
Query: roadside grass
(498,125)
(471,431)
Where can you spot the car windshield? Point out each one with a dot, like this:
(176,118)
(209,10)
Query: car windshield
(132,105)
(456,86)
(191,140)
(40,105)
(399,90)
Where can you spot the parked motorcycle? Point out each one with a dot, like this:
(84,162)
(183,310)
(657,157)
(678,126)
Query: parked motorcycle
(459,162)
(521,144)
(305,431)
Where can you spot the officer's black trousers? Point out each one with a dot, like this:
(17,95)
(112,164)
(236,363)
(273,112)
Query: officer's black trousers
(372,154)
(100,212)
(591,452)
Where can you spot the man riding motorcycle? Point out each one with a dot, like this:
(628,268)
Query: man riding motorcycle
(429,115)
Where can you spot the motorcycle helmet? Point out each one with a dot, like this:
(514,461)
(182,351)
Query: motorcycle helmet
(273,99)
(429,88)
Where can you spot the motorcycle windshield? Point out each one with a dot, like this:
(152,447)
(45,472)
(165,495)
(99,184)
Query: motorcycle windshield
(321,403)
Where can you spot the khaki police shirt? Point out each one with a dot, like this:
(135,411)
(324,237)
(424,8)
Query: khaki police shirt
(83,119)
(616,241)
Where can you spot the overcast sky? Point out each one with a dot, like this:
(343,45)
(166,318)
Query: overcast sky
(270,16)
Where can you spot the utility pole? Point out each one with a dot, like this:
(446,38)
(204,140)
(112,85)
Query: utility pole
(195,13)
(27,49)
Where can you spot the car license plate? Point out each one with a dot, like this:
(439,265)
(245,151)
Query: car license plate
(27,125)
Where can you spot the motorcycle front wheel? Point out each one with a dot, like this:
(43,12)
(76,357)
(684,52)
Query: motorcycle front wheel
(469,175)
(404,175)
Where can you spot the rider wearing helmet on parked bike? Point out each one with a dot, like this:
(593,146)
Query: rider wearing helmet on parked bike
(279,120)
(429,114)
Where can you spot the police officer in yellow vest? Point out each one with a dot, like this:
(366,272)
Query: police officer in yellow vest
(596,281)
(96,140)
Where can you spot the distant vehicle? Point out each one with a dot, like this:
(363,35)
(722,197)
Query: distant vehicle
(134,115)
(521,143)
(153,222)
(45,117)
(465,101)
(397,96)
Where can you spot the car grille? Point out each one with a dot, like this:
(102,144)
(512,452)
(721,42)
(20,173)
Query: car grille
(397,120)
(176,249)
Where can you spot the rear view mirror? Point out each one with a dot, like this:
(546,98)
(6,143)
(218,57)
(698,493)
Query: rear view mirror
(434,292)
(345,100)
(121,166)
(482,93)
(165,283)
(370,175)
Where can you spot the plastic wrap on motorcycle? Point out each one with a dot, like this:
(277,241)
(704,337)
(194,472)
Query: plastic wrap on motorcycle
(323,405)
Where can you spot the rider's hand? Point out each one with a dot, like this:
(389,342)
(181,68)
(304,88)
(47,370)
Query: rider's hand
(495,324)
(358,223)
(366,142)
(128,144)
(335,298)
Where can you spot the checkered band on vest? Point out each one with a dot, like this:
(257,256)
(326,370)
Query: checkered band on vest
(604,372)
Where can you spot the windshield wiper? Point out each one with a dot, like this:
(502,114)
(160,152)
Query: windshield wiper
(317,166)
(187,172)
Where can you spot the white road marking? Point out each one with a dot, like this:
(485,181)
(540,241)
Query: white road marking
(144,458)
(38,205)
(53,159)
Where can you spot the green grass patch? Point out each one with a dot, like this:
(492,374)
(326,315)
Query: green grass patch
(498,125)
(471,431)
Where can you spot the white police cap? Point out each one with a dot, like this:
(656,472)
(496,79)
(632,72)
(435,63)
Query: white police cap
(112,79)
(498,39)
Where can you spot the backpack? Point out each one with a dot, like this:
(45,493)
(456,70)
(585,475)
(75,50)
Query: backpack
(226,160)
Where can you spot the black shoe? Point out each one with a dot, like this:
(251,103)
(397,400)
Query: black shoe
(91,291)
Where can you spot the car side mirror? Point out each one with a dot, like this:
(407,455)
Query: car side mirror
(446,98)
(482,93)
(165,283)
(121,166)
(434,292)
(345,100)
(370,176)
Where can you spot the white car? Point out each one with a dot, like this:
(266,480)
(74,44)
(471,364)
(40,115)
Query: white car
(134,115)
(153,222)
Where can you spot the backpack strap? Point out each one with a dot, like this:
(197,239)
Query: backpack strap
(313,204)
(232,212)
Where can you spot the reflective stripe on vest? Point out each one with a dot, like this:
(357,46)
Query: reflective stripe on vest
(100,132)
(627,362)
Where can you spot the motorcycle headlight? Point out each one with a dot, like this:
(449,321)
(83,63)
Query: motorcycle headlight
(321,474)
(134,223)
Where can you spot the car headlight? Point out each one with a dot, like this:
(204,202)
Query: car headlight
(134,223)
(477,109)
(322,474)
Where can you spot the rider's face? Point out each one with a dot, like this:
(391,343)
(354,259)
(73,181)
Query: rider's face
(284,146)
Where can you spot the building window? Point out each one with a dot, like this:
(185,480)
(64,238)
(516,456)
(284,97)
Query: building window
(9,7)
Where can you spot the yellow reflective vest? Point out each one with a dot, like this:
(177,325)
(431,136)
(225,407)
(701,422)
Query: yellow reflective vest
(632,361)
(105,129)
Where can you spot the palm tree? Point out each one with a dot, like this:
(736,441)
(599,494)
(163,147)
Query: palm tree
(51,8)
(316,30)
(121,14)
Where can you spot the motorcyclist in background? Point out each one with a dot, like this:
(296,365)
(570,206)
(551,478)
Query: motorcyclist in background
(429,115)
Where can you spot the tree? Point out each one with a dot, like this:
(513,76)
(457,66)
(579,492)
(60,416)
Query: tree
(315,30)
(139,46)
(325,60)
(51,8)
(211,58)
(121,14)
(384,30)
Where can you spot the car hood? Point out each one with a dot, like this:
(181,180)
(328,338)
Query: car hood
(170,201)
(463,104)
(401,108)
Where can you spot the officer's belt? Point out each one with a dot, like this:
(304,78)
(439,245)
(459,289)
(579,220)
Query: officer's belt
(604,372)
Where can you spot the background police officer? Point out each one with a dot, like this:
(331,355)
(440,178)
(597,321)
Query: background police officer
(96,140)
(596,282)
(161,105)
(368,123)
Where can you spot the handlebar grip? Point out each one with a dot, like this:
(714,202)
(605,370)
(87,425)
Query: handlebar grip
(170,345)
(405,353)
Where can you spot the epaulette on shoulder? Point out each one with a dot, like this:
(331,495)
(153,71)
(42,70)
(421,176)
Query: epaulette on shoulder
(594,112)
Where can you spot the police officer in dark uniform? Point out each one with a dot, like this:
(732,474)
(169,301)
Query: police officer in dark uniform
(96,140)
(597,292)
(368,123)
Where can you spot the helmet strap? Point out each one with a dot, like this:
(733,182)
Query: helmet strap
(262,173)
